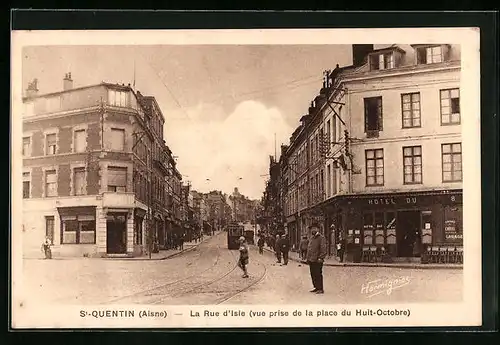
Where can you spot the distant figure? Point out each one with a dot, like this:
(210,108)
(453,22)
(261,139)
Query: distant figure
(260,244)
(243,260)
(316,253)
(341,249)
(304,243)
(181,242)
(277,249)
(46,248)
(285,248)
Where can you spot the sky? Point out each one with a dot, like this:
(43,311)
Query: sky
(225,106)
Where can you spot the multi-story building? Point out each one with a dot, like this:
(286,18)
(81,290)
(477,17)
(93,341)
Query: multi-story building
(217,209)
(272,206)
(391,152)
(94,167)
(151,165)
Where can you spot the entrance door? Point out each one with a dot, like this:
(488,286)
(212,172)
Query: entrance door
(49,228)
(408,239)
(116,234)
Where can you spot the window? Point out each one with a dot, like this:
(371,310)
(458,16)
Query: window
(26,146)
(49,228)
(117,179)
(373,114)
(450,106)
(328,180)
(382,61)
(79,181)
(119,98)
(138,231)
(80,141)
(410,103)
(26,185)
(374,167)
(452,162)
(117,139)
(50,144)
(50,183)
(453,223)
(78,229)
(427,55)
(412,161)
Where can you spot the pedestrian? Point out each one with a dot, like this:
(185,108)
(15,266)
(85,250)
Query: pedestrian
(341,248)
(277,249)
(181,242)
(243,260)
(46,248)
(303,247)
(260,244)
(285,248)
(316,253)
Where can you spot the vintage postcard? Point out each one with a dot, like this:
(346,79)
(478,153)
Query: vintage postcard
(246,178)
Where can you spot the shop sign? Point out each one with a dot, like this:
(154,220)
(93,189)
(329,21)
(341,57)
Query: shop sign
(393,201)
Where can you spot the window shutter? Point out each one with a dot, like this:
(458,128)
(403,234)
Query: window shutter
(379,112)
(117,176)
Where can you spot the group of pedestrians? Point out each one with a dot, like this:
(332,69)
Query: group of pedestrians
(312,251)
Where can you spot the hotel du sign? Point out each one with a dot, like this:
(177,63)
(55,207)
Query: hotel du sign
(412,200)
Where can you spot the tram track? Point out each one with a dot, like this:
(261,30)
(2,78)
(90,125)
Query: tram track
(180,289)
(151,291)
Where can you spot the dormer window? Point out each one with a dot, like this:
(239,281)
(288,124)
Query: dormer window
(385,58)
(382,61)
(429,54)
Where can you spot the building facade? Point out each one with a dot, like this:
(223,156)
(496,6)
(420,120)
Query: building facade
(391,154)
(94,171)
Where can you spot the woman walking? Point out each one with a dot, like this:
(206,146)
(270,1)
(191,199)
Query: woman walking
(243,260)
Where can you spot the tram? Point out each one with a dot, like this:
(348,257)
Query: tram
(234,232)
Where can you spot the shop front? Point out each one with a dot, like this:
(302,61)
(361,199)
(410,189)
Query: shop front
(399,226)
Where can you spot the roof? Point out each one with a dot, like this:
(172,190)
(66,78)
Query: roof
(387,49)
(118,86)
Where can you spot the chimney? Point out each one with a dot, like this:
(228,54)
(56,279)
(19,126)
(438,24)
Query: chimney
(32,89)
(359,53)
(67,82)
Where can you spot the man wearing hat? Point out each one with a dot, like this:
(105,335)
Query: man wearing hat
(243,260)
(316,253)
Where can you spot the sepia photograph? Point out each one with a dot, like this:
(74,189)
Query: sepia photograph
(318,178)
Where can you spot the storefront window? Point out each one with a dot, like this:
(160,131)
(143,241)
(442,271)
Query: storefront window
(390,226)
(453,224)
(78,229)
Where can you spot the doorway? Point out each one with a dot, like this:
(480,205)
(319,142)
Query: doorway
(116,233)
(408,239)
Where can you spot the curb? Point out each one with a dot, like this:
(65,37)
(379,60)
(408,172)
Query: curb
(140,258)
(393,265)
(193,247)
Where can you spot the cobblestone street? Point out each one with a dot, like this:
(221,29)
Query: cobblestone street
(208,275)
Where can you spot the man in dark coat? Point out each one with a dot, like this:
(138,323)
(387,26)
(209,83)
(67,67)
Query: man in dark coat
(260,244)
(277,248)
(316,253)
(285,248)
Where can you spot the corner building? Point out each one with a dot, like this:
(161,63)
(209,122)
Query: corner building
(79,188)
(392,153)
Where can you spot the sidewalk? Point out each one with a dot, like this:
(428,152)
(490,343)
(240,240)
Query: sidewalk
(168,253)
(332,261)
(161,255)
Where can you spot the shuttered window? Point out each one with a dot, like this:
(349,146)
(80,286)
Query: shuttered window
(79,181)
(50,183)
(80,141)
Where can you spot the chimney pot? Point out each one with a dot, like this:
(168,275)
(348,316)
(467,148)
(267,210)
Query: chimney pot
(67,82)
